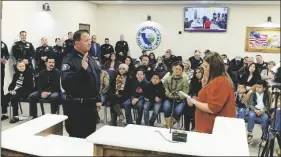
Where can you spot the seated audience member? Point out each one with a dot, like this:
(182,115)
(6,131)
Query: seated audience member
(241,107)
(224,56)
(120,94)
(20,87)
(145,67)
(259,106)
(152,59)
(247,62)
(236,63)
(187,71)
(104,87)
(171,71)
(216,98)
(160,68)
(173,84)
(251,76)
(169,59)
(112,63)
(130,63)
(267,74)
(48,84)
(154,95)
(207,51)
(194,88)
(196,60)
(144,53)
(138,63)
(229,72)
(261,65)
(137,97)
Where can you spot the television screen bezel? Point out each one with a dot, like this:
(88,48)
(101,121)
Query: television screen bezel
(206,29)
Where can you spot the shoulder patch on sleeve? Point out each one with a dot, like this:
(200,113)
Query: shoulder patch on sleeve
(65,67)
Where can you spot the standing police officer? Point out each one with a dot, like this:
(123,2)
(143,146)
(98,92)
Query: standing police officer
(68,44)
(121,49)
(81,81)
(58,52)
(23,50)
(106,50)
(4,58)
(42,52)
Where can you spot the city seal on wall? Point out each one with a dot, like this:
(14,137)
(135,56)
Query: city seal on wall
(148,38)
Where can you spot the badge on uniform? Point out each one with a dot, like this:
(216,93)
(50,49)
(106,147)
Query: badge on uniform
(124,43)
(27,44)
(65,67)
(2,45)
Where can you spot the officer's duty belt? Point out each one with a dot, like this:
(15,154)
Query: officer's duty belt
(81,100)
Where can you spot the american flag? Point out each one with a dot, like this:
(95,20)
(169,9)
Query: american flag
(258,39)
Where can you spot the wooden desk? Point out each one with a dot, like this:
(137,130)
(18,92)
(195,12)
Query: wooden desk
(137,140)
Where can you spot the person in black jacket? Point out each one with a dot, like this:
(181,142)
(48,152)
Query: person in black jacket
(23,50)
(106,50)
(230,72)
(145,67)
(196,60)
(194,88)
(21,86)
(169,59)
(251,76)
(132,68)
(48,84)
(68,45)
(154,95)
(4,57)
(120,94)
(58,53)
(121,49)
(42,52)
(137,98)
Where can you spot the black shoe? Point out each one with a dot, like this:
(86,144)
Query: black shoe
(250,137)
(14,120)
(4,117)
(34,117)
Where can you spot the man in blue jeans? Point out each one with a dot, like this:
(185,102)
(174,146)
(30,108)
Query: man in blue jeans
(137,98)
(154,95)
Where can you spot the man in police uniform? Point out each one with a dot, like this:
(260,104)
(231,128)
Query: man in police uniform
(80,78)
(42,52)
(106,50)
(68,44)
(121,49)
(23,50)
(4,58)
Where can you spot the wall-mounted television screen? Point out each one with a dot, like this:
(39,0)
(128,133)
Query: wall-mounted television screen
(205,19)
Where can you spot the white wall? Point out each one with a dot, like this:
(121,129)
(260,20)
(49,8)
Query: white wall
(114,20)
(65,16)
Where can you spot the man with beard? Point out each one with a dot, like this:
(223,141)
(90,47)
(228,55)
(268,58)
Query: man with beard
(48,85)
(42,52)
(23,50)
(106,50)
(169,59)
(121,49)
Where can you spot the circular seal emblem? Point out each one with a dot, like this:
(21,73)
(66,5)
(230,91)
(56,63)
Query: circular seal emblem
(148,38)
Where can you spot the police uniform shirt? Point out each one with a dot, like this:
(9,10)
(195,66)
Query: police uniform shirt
(49,81)
(78,82)
(23,50)
(121,50)
(68,46)
(43,51)
(59,54)
(105,50)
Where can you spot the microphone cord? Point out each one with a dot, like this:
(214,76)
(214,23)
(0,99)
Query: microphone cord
(165,137)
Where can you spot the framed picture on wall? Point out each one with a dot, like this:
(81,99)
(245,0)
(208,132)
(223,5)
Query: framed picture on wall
(84,26)
(262,39)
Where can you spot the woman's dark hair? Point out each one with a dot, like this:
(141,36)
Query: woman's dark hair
(216,66)
(151,53)
(255,73)
(131,66)
(111,55)
(195,71)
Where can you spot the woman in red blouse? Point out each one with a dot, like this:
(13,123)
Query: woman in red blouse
(216,98)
